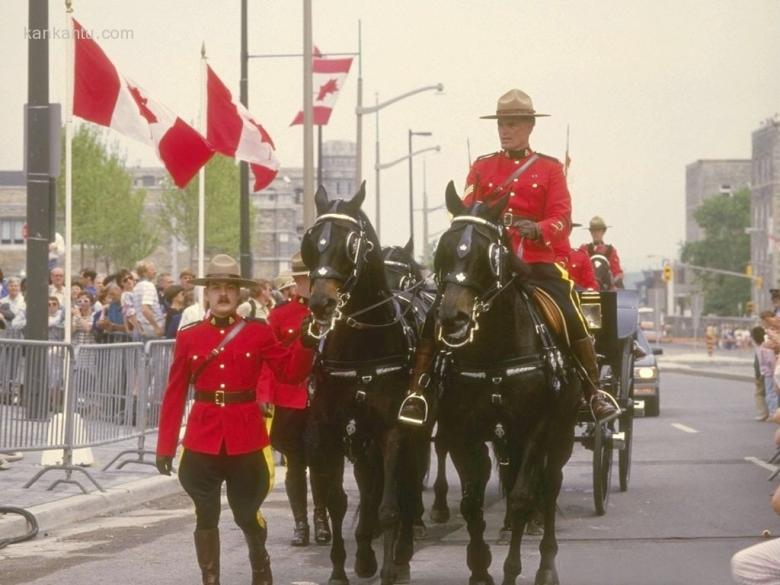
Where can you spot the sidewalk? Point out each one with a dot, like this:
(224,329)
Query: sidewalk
(735,364)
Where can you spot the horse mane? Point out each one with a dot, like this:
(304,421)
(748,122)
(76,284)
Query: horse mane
(397,253)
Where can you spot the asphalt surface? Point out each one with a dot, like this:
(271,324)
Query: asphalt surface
(698,494)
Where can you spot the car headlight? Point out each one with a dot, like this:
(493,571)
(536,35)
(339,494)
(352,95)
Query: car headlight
(645,373)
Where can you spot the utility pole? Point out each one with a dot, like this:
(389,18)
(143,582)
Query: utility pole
(38,171)
(424,248)
(245,236)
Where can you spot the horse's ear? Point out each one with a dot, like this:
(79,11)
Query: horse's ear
(409,248)
(454,204)
(356,202)
(496,211)
(321,200)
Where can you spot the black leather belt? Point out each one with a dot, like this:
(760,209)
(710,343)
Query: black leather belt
(222,397)
(511,220)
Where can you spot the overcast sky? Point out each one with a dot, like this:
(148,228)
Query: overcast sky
(646,88)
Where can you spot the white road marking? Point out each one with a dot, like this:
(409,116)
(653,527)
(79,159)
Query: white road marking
(684,428)
(760,463)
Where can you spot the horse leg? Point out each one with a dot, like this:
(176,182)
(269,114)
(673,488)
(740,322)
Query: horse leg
(440,511)
(369,479)
(337,508)
(473,465)
(422,454)
(389,509)
(408,494)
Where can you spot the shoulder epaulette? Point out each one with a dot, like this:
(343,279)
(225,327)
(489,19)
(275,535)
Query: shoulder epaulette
(548,157)
(488,155)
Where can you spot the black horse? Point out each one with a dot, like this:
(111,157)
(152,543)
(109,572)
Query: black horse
(405,278)
(360,377)
(602,271)
(505,382)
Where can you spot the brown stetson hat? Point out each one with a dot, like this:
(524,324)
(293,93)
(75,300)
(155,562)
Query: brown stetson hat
(298,267)
(514,104)
(223,268)
(597,223)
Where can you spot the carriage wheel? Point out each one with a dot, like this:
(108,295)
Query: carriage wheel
(602,467)
(626,421)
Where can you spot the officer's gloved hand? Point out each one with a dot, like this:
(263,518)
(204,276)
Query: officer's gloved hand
(529,229)
(308,340)
(164,464)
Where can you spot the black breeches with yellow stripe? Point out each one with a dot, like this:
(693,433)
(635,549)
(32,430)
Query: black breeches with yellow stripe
(247,480)
(555,281)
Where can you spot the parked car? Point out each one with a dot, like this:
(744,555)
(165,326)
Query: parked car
(647,379)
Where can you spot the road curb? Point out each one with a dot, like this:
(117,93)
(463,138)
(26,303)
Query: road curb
(80,507)
(687,370)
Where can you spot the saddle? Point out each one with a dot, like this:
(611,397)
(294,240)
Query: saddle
(551,313)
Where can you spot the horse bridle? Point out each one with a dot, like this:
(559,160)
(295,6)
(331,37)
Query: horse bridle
(408,279)
(484,301)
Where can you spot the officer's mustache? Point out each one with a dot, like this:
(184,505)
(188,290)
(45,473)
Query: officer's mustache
(223,300)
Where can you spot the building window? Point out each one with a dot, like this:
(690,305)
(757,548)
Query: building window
(11,231)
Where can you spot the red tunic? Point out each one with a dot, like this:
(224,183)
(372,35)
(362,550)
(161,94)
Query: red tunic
(240,426)
(611,254)
(581,270)
(285,321)
(539,194)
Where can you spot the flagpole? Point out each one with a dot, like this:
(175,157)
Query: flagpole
(69,69)
(358,111)
(308,119)
(202,171)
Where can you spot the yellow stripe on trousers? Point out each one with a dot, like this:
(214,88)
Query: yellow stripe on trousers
(573,296)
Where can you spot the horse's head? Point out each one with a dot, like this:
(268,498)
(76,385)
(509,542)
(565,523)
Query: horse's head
(401,270)
(335,250)
(472,265)
(602,271)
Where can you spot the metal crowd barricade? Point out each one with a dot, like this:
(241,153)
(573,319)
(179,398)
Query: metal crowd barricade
(158,355)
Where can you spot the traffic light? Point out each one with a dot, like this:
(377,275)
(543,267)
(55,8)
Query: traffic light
(759,281)
(667,273)
(750,307)
(749,269)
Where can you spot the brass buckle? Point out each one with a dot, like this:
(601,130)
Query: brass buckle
(508,217)
(219,398)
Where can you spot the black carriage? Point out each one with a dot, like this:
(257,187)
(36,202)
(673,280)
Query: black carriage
(612,319)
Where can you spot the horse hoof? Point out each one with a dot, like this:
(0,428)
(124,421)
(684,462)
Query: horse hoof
(420,531)
(440,516)
(365,565)
(486,580)
(338,581)
(403,573)
(546,577)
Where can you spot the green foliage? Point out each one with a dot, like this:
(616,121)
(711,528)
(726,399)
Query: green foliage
(108,214)
(180,209)
(726,246)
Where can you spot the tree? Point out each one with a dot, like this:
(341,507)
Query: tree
(108,214)
(726,246)
(180,209)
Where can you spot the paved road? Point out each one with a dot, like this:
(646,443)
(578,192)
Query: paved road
(694,500)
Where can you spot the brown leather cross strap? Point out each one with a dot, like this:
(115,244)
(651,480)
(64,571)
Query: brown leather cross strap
(222,397)
(215,352)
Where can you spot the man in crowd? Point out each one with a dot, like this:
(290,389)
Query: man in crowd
(149,315)
(291,416)
(222,357)
(185,279)
(13,309)
(57,286)
(88,277)
(164,280)
(259,303)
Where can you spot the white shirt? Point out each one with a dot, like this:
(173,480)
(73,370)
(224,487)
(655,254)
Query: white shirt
(145,293)
(192,314)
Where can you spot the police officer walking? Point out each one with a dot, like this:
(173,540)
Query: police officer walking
(291,417)
(222,356)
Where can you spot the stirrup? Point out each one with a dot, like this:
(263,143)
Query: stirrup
(413,402)
(618,410)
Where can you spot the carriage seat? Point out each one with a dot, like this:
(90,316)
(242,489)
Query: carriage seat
(552,314)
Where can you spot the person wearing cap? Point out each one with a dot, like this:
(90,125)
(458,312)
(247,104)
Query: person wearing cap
(291,417)
(222,356)
(598,227)
(538,218)
(285,286)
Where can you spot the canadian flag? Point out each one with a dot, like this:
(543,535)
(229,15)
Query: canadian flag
(101,95)
(231,129)
(328,77)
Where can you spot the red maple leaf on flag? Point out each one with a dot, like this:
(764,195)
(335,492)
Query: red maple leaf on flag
(141,102)
(330,86)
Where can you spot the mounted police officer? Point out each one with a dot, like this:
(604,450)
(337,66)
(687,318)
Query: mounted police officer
(598,228)
(222,356)
(538,216)
(291,417)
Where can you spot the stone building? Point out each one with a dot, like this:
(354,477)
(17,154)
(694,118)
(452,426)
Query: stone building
(707,178)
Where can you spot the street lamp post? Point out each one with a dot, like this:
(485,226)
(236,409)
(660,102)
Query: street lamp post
(362,110)
(411,183)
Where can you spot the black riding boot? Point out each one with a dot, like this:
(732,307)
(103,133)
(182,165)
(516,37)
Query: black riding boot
(258,557)
(414,408)
(207,552)
(585,352)
(319,495)
(295,485)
